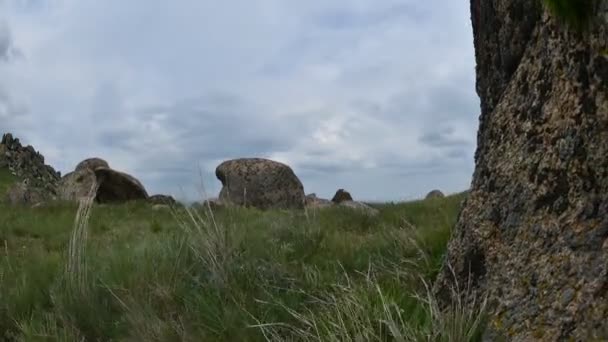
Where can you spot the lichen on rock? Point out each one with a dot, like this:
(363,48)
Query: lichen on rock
(532,235)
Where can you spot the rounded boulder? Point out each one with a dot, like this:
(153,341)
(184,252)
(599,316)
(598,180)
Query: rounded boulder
(260,183)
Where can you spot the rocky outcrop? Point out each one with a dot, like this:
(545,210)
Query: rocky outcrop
(341,195)
(112,186)
(533,231)
(260,183)
(434,194)
(28,165)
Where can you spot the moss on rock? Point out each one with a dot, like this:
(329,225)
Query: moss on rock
(575,13)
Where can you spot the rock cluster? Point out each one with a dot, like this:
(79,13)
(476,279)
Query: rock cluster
(39,181)
(533,232)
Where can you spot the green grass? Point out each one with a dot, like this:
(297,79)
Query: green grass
(575,13)
(131,273)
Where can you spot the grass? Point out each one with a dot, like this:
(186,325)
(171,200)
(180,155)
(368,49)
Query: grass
(131,273)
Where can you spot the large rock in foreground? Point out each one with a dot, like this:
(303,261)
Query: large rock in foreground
(260,183)
(533,231)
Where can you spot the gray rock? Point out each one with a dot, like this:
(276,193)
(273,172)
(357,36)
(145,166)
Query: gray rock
(76,185)
(115,186)
(260,183)
(541,164)
(92,164)
(341,196)
(361,207)
(314,202)
(435,194)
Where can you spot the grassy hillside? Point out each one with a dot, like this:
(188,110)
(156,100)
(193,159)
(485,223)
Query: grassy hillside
(131,273)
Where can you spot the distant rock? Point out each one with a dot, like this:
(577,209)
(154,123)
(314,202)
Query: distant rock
(312,201)
(435,194)
(260,183)
(360,206)
(161,199)
(92,164)
(341,196)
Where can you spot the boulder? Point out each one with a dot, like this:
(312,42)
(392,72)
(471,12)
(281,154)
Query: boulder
(314,202)
(112,186)
(360,206)
(92,164)
(76,185)
(260,183)
(115,186)
(435,194)
(532,235)
(161,199)
(341,196)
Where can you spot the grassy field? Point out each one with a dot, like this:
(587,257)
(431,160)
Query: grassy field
(131,273)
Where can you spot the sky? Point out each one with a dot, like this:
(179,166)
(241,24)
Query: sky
(373,96)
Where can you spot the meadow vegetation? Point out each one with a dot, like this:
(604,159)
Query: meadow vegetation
(89,272)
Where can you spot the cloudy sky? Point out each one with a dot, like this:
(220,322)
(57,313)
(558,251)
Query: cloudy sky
(374,96)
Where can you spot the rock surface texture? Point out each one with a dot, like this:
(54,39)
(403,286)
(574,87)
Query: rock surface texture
(533,231)
(260,183)
(29,166)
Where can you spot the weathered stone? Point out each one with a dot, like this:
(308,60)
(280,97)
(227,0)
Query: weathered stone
(76,185)
(314,202)
(360,206)
(92,164)
(115,186)
(531,231)
(260,183)
(22,194)
(341,196)
(435,194)
(161,199)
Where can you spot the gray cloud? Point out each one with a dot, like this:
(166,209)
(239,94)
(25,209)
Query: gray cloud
(373,96)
